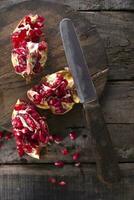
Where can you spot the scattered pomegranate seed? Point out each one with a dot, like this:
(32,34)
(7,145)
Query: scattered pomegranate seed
(76,156)
(52,180)
(62,183)
(8,136)
(72,135)
(65,151)
(57,139)
(77,164)
(1,134)
(59,164)
(51,139)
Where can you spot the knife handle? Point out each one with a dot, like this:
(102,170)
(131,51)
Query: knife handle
(107,165)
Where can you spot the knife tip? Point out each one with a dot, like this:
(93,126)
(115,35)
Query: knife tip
(64,20)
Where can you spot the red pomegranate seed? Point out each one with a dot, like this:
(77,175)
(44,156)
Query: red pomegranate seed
(8,136)
(42,46)
(42,138)
(65,151)
(52,180)
(37,98)
(28,148)
(19,68)
(17,123)
(59,164)
(57,139)
(1,134)
(77,164)
(62,183)
(72,135)
(41,19)
(20,151)
(28,19)
(76,156)
(25,130)
(51,139)
(19,107)
(35,136)
(17,133)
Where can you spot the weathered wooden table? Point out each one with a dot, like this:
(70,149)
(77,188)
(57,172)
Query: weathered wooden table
(28,180)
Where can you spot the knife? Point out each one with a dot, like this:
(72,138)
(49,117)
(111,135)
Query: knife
(107,165)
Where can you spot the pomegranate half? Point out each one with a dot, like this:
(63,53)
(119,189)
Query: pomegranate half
(29,128)
(29,52)
(55,92)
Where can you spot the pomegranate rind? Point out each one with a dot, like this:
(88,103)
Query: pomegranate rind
(29,55)
(51,79)
(35,151)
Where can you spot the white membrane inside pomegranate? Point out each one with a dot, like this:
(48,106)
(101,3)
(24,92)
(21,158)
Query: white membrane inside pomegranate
(29,53)
(55,92)
(29,128)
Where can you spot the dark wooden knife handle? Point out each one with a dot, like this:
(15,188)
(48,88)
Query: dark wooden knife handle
(107,165)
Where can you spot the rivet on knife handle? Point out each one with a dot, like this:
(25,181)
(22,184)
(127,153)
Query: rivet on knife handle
(107,165)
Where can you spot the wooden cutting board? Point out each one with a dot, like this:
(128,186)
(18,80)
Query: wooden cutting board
(13,86)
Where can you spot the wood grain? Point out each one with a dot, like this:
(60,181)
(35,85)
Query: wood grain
(86,4)
(31,183)
(14,86)
(117,31)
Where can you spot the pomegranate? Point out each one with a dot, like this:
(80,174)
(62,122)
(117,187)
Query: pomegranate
(55,92)
(29,53)
(29,129)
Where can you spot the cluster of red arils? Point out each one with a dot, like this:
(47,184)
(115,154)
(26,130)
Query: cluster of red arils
(29,128)
(29,53)
(55,92)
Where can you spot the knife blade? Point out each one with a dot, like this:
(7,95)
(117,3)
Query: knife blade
(107,165)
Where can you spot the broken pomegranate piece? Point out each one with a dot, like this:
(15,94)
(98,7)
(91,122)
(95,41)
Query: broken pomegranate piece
(55,92)
(29,53)
(29,128)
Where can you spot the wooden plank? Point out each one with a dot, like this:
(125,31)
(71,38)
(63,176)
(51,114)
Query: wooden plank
(87,4)
(118,102)
(121,135)
(31,183)
(117,31)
